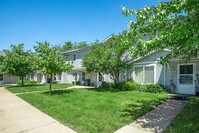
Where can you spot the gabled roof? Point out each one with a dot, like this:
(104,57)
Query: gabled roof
(139,58)
(77,50)
(83,49)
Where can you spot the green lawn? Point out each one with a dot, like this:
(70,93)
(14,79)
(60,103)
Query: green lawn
(42,87)
(89,110)
(188,119)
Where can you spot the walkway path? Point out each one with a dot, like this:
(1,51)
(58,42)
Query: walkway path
(156,120)
(17,116)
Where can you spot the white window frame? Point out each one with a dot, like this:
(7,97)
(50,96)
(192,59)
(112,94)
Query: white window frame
(143,67)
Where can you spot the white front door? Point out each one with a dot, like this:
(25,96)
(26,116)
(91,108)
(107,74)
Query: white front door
(186,76)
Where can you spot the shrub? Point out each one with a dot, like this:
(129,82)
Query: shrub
(55,82)
(153,88)
(26,82)
(129,85)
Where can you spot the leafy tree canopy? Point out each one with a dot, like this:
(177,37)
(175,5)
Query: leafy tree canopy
(17,61)
(50,61)
(109,57)
(70,46)
(173,24)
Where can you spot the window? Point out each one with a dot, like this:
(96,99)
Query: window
(83,76)
(74,57)
(100,77)
(1,77)
(144,74)
(32,76)
(59,76)
(186,74)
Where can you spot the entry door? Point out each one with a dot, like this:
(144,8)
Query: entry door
(186,73)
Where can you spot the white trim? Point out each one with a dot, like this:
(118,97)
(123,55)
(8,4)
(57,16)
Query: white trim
(164,74)
(143,66)
(178,74)
(147,62)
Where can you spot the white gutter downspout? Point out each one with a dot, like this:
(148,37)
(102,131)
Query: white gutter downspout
(169,70)
(164,74)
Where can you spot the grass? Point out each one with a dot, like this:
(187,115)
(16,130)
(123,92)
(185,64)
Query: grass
(39,87)
(188,119)
(88,110)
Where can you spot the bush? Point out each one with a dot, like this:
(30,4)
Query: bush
(129,85)
(107,85)
(26,82)
(153,88)
(54,82)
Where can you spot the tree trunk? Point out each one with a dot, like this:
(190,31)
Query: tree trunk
(22,81)
(51,75)
(116,79)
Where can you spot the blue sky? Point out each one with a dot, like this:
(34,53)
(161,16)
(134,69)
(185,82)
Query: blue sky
(57,21)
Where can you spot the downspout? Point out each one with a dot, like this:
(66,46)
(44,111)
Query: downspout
(164,74)
(169,71)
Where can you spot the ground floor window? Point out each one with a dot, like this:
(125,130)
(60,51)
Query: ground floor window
(59,76)
(83,76)
(100,77)
(32,76)
(144,74)
(1,77)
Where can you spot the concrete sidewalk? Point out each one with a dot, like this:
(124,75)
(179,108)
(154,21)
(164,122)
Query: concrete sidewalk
(17,116)
(156,120)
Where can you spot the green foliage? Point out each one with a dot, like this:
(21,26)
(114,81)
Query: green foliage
(172,24)
(26,82)
(130,85)
(97,112)
(153,88)
(109,57)
(17,61)
(55,82)
(37,87)
(70,46)
(187,120)
(82,45)
(50,61)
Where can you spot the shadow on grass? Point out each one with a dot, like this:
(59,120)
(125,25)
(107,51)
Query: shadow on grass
(100,89)
(140,108)
(16,86)
(58,92)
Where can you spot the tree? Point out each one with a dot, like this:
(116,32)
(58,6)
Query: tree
(173,25)
(67,46)
(50,61)
(109,57)
(18,62)
(82,44)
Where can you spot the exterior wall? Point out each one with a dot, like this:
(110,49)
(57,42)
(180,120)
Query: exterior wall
(7,79)
(154,56)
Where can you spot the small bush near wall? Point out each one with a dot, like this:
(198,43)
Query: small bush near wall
(132,85)
(26,82)
(129,85)
(153,88)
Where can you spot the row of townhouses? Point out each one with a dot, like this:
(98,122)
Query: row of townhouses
(177,75)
